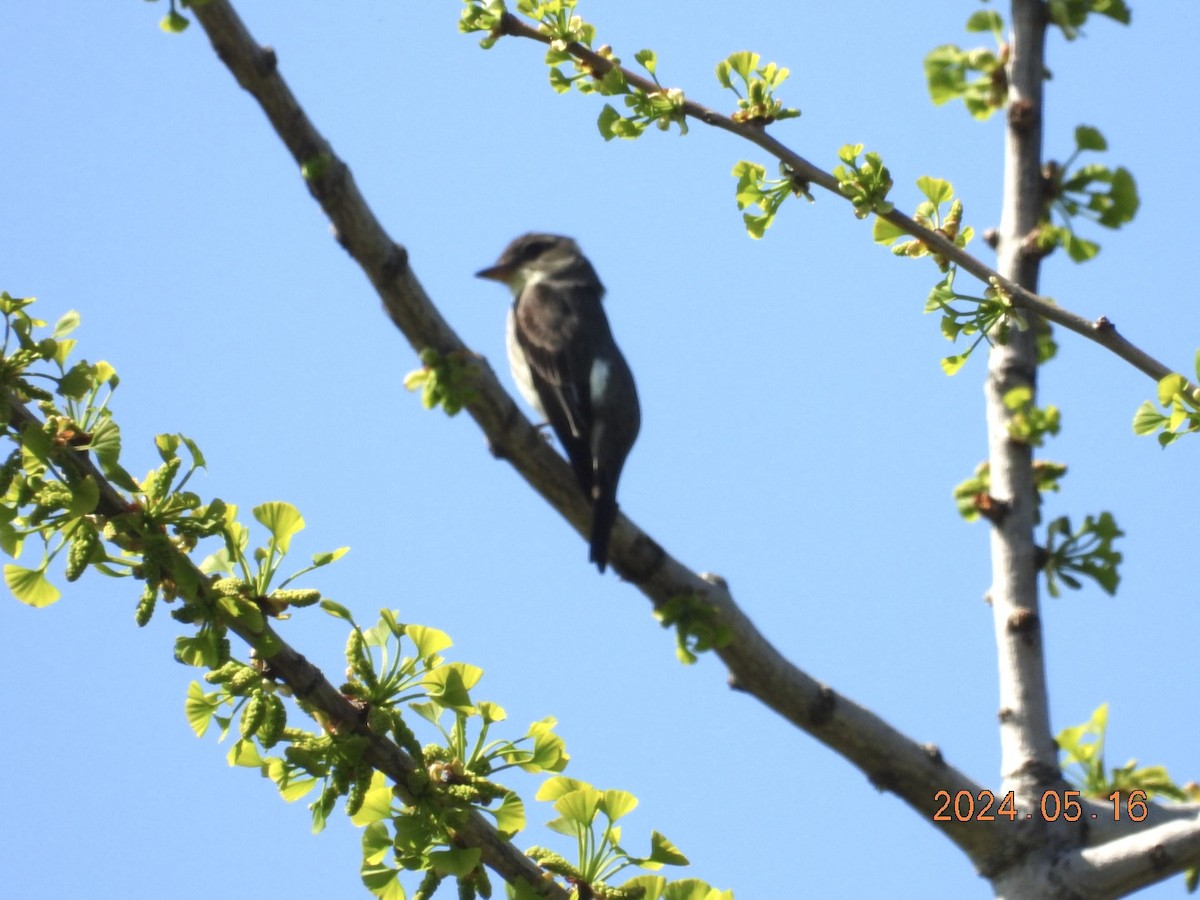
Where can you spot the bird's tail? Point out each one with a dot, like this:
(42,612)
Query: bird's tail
(604,514)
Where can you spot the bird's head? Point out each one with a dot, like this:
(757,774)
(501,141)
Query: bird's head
(532,257)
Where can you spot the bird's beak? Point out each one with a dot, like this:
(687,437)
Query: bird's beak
(497,272)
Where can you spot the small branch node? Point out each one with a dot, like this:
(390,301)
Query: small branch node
(396,263)
(1159,857)
(266,62)
(1023,621)
(822,707)
(1021,114)
(992,508)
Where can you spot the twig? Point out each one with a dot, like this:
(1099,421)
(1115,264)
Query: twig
(1101,330)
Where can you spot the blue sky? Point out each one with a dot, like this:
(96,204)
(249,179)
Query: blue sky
(798,436)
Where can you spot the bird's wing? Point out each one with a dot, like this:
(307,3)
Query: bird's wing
(552,332)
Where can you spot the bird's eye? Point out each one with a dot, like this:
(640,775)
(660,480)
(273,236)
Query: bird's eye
(535,249)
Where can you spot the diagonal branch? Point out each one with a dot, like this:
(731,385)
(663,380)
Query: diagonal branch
(1102,331)
(891,760)
(310,686)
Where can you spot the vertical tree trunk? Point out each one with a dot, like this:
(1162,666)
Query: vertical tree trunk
(1028,751)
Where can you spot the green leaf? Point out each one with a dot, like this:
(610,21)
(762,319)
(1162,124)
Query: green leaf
(1169,386)
(244,753)
(648,59)
(619,804)
(336,610)
(579,807)
(324,559)
(30,586)
(283,521)
(428,641)
(106,445)
(448,686)
(377,805)
(884,232)
(951,364)
(848,153)
(561,84)
(608,119)
(196,651)
(938,190)
(744,63)
(457,862)
(382,881)
(1079,249)
(549,750)
(174,23)
(376,843)
(664,852)
(559,786)
(200,707)
(1147,419)
(510,814)
(68,323)
(1123,198)
(985,20)
(430,712)
(1088,138)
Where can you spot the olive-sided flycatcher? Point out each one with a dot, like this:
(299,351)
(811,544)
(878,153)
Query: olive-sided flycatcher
(567,365)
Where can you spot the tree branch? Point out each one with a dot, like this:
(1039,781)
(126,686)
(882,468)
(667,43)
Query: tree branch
(1142,858)
(891,760)
(1029,755)
(310,686)
(1101,330)
(1119,867)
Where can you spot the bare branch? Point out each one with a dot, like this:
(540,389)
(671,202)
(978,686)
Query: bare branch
(1145,856)
(892,761)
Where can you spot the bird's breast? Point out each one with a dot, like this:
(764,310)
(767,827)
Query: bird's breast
(519,365)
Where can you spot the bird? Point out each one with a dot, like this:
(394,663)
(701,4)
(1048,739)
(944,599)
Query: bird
(568,367)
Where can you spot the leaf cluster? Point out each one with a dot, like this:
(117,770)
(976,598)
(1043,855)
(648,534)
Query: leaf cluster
(1086,551)
(589,816)
(1182,405)
(758,105)
(1029,423)
(1081,749)
(973,496)
(766,195)
(978,76)
(1068,554)
(864,184)
(929,215)
(698,625)
(445,379)
(1096,192)
(1070,15)
(1082,755)
(983,318)
(64,484)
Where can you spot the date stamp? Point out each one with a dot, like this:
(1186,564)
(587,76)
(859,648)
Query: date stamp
(967,807)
